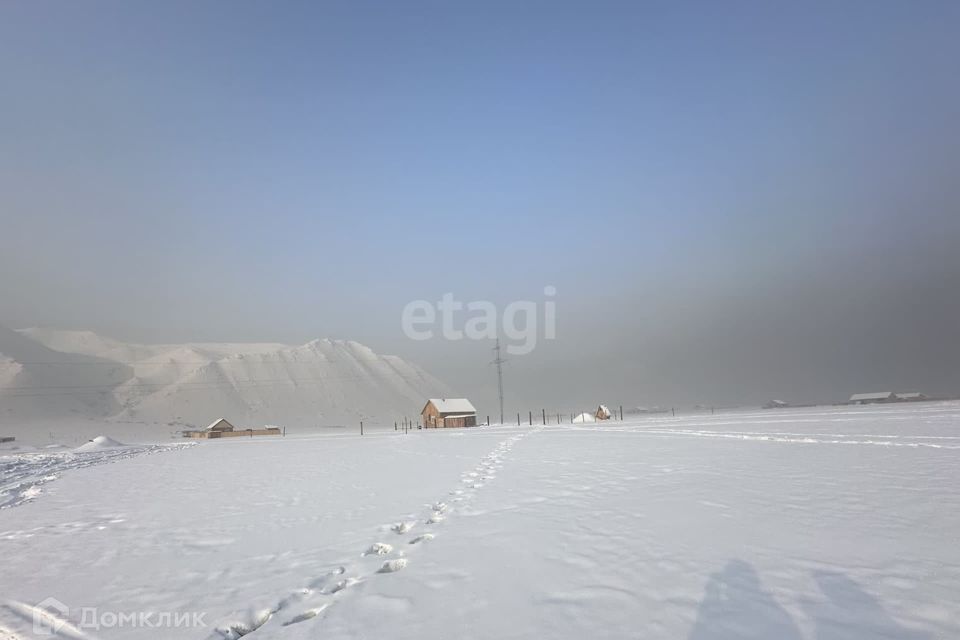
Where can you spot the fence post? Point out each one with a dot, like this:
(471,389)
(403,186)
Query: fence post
(518,418)
(621,413)
(530,416)
(361,427)
(544,412)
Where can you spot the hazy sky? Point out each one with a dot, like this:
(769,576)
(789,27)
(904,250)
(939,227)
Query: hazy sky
(734,200)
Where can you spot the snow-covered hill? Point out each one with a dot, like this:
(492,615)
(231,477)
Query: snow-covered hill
(37,382)
(46,373)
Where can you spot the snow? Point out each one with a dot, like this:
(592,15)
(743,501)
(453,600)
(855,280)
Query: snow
(48,375)
(99,444)
(73,382)
(26,471)
(584,417)
(823,523)
(453,405)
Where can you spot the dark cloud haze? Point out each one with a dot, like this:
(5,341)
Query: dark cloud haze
(735,201)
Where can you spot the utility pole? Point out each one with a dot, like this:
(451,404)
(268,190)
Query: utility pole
(499,362)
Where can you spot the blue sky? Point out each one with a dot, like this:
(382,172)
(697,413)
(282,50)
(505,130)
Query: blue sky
(283,171)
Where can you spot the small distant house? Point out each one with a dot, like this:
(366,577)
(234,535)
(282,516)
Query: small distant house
(776,404)
(7,438)
(221,428)
(873,398)
(911,397)
(441,413)
(603,413)
(648,410)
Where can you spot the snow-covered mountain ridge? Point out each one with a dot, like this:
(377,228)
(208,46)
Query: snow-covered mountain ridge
(50,373)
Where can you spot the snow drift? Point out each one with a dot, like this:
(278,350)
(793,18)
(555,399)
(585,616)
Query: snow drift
(99,444)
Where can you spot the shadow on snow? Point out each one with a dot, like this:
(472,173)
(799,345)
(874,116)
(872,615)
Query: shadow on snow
(849,613)
(735,606)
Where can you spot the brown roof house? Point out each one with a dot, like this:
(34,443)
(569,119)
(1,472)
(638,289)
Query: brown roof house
(439,413)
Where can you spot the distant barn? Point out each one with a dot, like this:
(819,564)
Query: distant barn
(439,413)
(913,396)
(873,398)
(886,396)
(221,428)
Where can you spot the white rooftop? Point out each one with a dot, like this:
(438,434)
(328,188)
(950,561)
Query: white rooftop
(218,422)
(453,405)
(871,396)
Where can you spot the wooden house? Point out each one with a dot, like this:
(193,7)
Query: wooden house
(440,413)
(221,428)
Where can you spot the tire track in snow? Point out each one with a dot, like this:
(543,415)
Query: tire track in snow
(22,475)
(798,438)
(45,623)
(376,559)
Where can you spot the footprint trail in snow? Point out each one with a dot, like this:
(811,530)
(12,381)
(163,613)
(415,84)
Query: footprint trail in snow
(310,602)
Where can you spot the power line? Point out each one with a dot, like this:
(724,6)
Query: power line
(224,361)
(40,391)
(499,362)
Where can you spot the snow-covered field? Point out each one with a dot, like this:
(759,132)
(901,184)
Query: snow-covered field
(825,523)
